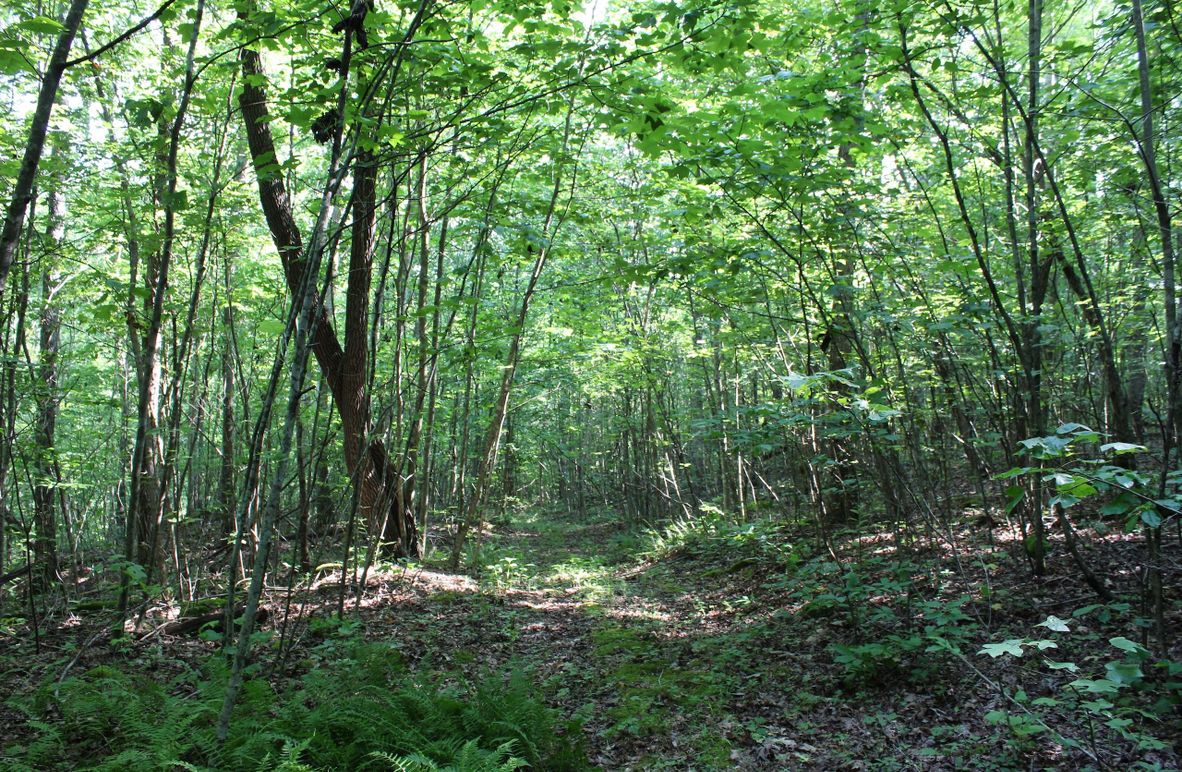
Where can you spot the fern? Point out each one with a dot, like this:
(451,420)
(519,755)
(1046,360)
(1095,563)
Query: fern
(470,757)
(363,711)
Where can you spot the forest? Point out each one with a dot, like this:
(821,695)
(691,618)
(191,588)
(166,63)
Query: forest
(484,385)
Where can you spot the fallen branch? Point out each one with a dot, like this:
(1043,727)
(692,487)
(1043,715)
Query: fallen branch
(15,573)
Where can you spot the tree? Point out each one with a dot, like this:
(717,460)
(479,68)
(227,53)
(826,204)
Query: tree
(14,216)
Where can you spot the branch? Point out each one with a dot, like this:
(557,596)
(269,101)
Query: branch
(105,48)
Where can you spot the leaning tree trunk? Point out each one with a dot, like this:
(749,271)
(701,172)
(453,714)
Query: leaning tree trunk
(343,368)
(488,458)
(14,218)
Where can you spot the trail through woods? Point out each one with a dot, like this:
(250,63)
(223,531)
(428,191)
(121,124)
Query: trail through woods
(725,652)
(701,646)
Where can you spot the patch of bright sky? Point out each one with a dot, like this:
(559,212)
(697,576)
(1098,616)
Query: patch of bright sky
(594,12)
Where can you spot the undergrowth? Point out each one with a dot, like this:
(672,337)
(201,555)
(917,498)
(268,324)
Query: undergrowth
(713,533)
(362,711)
(891,623)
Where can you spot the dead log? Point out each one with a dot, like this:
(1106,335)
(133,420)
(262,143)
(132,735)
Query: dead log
(216,621)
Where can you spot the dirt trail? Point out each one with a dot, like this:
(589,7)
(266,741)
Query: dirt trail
(642,654)
(727,657)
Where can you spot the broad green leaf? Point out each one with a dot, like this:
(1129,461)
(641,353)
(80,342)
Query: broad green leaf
(1054,623)
(14,62)
(995,650)
(1098,686)
(1151,518)
(1123,673)
(42,25)
(1124,644)
(1120,448)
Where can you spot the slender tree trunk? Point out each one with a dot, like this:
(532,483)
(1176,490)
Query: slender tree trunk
(226,498)
(22,195)
(1038,276)
(1173,338)
(45,488)
(488,458)
(427,462)
(344,370)
(147,456)
(411,468)
(180,366)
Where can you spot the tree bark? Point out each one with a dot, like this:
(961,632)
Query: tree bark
(45,486)
(1038,279)
(344,369)
(1173,338)
(14,217)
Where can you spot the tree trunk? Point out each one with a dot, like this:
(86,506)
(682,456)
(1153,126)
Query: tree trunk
(344,370)
(488,459)
(1038,278)
(1173,338)
(45,486)
(22,194)
(226,498)
(147,512)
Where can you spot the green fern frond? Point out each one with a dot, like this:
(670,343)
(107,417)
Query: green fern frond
(355,713)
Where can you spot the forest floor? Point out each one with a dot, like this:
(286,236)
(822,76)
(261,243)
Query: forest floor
(744,646)
(735,648)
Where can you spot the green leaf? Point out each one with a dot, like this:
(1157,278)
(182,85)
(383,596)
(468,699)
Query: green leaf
(995,650)
(1054,623)
(1123,673)
(1070,667)
(1100,686)
(271,326)
(42,25)
(14,63)
(1046,447)
(1014,495)
(1124,644)
(178,201)
(1119,505)
(1151,518)
(1017,471)
(1121,448)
